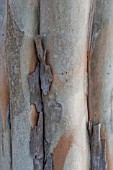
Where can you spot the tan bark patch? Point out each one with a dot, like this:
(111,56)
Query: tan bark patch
(60,152)
(33,57)
(4,96)
(34,116)
(108,156)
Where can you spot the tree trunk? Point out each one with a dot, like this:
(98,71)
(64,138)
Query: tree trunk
(56,94)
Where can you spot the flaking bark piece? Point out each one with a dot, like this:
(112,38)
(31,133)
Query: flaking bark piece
(49,163)
(34,86)
(46,78)
(36,144)
(45,70)
(90,128)
(95,148)
(98,150)
(36,137)
(103,163)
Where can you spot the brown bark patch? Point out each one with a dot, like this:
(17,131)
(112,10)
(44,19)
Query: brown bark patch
(34,116)
(60,152)
(33,57)
(57,81)
(4,97)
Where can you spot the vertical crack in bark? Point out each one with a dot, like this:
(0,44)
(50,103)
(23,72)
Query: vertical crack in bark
(39,83)
(8,117)
(90,30)
(36,138)
(45,74)
(10,135)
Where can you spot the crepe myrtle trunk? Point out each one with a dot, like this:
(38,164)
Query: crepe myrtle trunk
(56,95)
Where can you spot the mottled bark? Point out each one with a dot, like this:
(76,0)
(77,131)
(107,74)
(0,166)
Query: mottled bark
(101,74)
(55,61)
(21,60)
(5,149)
(64,26)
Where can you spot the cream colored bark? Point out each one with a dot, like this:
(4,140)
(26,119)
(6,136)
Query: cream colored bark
(64,25)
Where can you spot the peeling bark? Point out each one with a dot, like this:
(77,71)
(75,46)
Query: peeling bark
(100,74)
(36,138)
(34,86)
(45,71)
(19,43)
(39,81)
(98,150)
(43,96)
(36,144)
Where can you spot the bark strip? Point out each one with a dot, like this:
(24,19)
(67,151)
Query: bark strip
(98,150)
(39,83)
(45,71)
(36,142)
(90,29)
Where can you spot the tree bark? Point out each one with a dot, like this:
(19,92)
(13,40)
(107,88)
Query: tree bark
(100,74)
(64,24)
(56,94)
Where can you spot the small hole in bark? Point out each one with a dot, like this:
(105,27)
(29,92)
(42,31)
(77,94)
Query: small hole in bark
(35,156)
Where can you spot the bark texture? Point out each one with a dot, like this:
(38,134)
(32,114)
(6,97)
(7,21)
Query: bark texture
(56,67)
(100,74)
(21,60)
(64,25)
(5,149)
